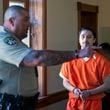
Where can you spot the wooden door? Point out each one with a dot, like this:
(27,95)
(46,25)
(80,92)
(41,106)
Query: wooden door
(88,17)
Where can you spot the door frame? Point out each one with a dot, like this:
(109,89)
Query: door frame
(81,7)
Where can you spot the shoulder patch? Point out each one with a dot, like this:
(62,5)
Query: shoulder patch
(10,41)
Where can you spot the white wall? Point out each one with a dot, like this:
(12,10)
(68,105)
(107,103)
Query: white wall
(104,21)
(62,32)
(1,12)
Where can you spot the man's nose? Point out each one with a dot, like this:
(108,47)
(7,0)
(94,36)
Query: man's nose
(85,38)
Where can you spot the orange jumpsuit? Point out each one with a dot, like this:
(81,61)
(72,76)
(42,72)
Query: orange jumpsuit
(87,74)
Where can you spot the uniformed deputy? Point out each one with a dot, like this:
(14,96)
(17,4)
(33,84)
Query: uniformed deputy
(18,90)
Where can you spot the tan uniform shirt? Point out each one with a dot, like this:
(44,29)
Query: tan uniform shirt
(16,79)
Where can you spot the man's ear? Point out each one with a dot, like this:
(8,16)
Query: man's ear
(11,20)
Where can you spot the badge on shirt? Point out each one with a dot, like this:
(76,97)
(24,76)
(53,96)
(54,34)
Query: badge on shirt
(10,41)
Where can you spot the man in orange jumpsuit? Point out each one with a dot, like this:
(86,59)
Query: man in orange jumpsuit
(86,78)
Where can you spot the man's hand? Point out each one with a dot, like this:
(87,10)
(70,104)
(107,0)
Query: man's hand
(77,92)
(84,95)
(88,51)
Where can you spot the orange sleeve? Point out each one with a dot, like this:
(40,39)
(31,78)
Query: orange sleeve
(64,70)
(104,69)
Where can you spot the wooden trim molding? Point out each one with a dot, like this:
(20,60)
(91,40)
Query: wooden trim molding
(86,7)
(52,98)
(44,43)
(38,14)
(5,5)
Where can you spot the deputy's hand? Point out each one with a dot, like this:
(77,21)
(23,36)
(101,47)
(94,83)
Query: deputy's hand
(88,51)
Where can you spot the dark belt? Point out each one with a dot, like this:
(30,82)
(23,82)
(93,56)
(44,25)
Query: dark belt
(17,102)
(9,97)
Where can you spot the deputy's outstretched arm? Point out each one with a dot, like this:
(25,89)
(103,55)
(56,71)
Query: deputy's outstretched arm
(53,57)
(47,57)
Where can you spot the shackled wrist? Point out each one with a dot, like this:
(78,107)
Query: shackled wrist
(89,93)
(73,89)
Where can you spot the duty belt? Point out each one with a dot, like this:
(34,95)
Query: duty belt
(15,101)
